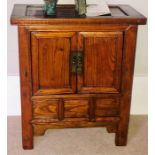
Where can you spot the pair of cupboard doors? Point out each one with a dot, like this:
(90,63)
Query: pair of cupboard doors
(76,62)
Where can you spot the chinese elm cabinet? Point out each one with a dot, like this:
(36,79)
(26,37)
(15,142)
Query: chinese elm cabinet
(76,71)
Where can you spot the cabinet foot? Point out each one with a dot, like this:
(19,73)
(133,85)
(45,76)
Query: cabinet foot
(27,143)
(121,139)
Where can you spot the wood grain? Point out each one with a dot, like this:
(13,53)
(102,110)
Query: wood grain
(45,109)
(107,107)
(102,62)
(127,79)
(20,17)
(92,109)
(52,96)
(75,108)
(76,28)
(50,63)
(62,108)
(41,127)
(26,86)
(76,96)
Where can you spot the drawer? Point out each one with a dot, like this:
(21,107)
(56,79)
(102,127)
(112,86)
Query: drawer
(107,107)
(75,108)
(51,109)
(45,109)
(64,108)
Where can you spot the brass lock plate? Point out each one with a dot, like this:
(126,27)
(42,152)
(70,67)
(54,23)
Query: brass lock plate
(76,64)
(73,63)
(79,63)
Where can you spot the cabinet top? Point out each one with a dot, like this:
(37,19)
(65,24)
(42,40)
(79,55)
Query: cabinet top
(24,14)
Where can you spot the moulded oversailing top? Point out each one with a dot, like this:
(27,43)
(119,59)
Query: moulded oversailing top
(24,14)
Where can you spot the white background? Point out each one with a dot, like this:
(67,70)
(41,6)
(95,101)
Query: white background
(139,99)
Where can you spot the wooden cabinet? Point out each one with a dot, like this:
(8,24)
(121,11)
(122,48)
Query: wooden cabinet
(76,71)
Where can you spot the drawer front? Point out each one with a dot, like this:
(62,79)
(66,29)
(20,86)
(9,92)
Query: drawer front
(61,109)
(107,107)
(75,108)
(46,109)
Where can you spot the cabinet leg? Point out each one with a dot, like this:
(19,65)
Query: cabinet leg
(121,134)
(26,86)
(27,143)
(127,79)
(121,139)
(27,135)
(27,130)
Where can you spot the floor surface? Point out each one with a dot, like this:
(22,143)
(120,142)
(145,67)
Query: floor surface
(83,141)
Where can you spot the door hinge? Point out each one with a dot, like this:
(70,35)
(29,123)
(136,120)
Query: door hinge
(77,62)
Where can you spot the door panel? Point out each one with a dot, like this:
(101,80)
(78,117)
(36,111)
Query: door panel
(50,62)
(102,57)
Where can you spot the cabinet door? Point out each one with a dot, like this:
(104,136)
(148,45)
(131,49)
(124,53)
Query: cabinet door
(50,62)
(102,59)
